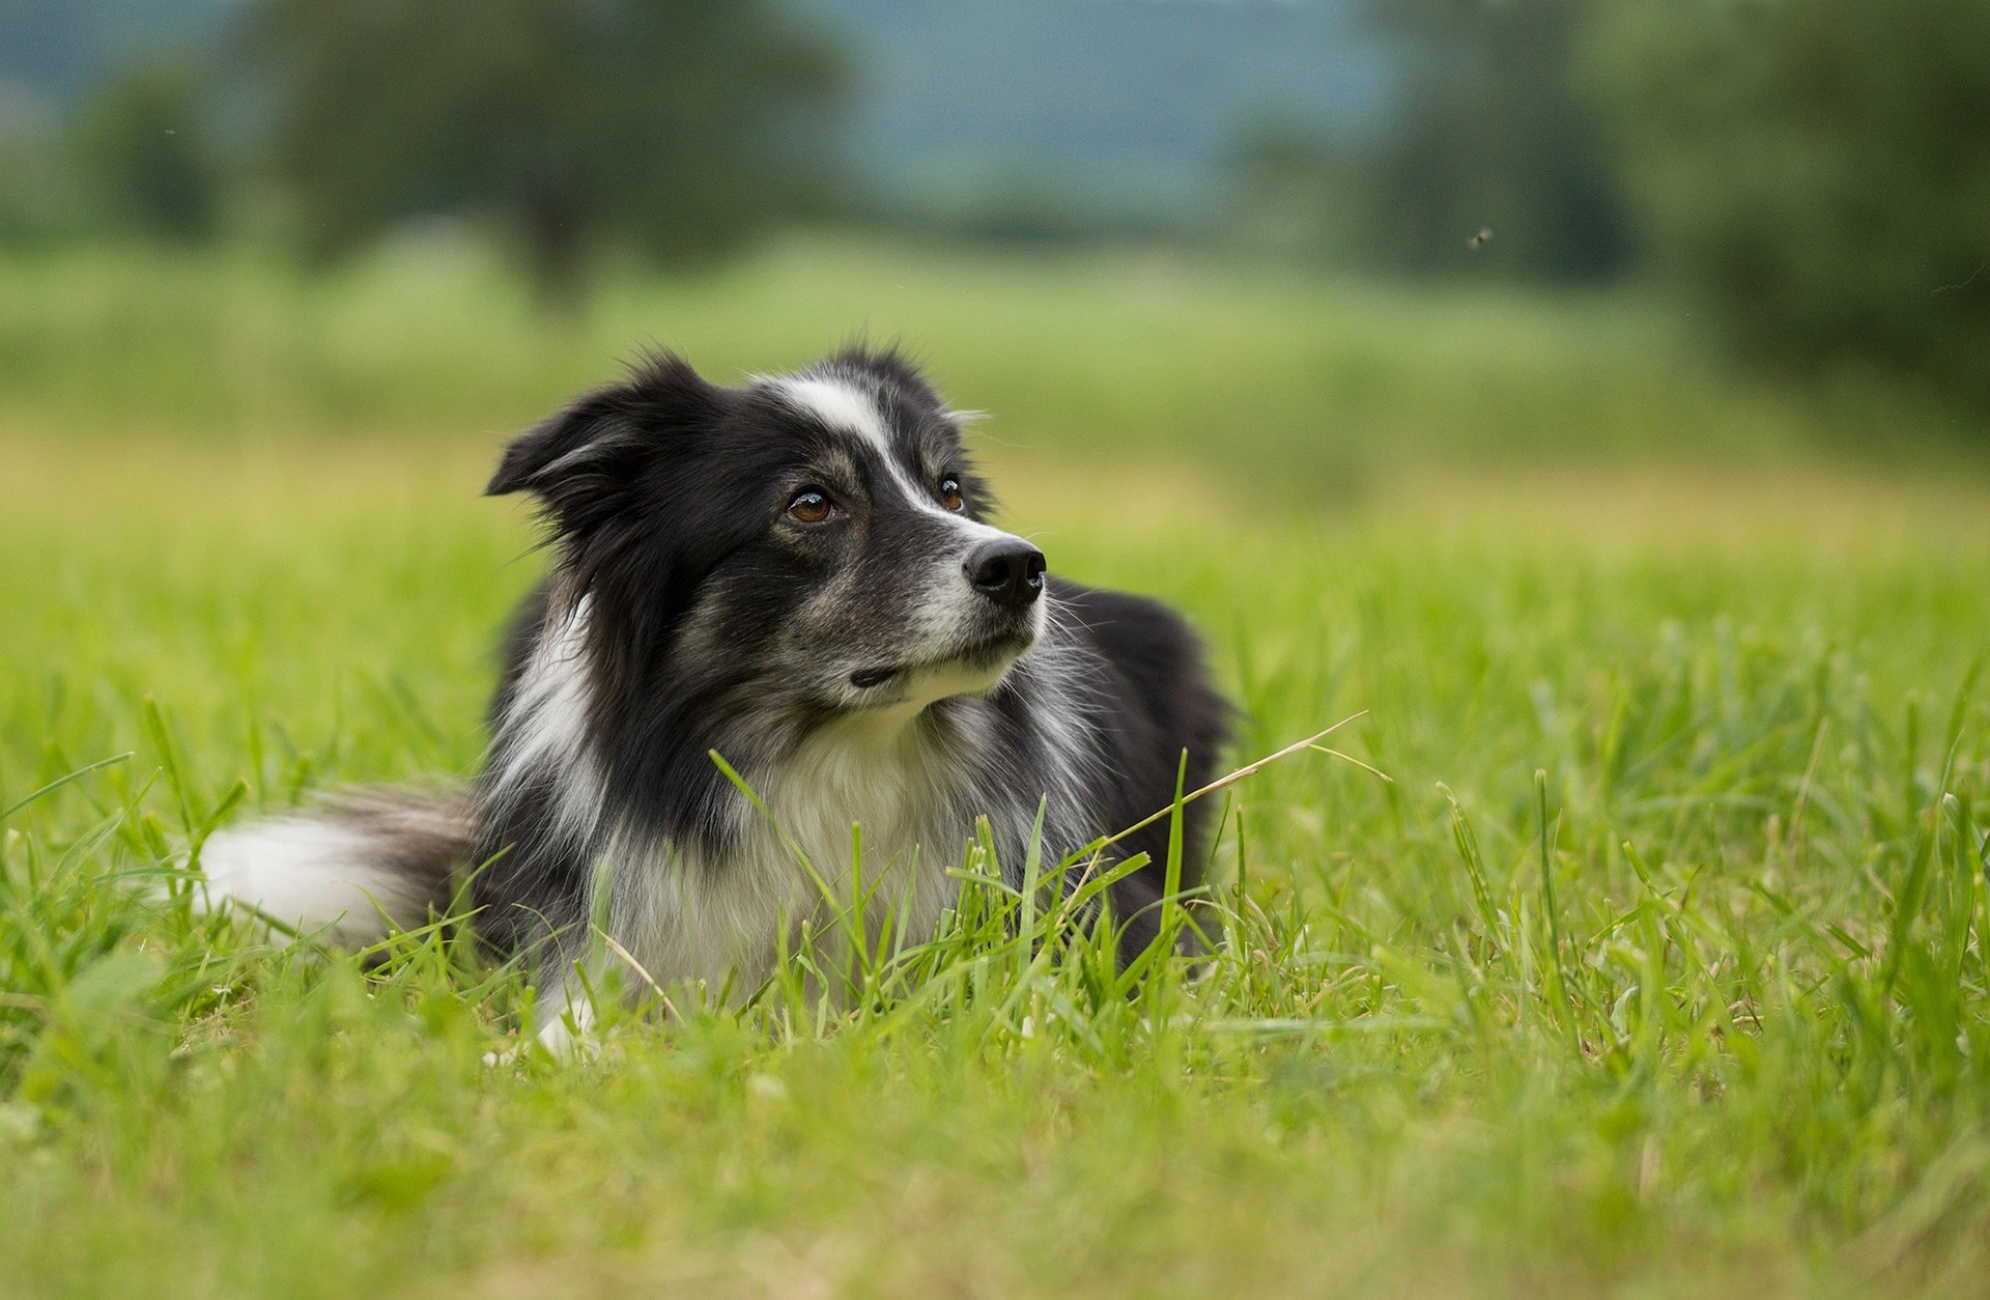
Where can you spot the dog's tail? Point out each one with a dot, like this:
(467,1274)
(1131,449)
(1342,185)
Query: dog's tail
(348,866)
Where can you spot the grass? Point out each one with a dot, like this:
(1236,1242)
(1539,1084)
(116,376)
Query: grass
(1332,381)
(1657,969)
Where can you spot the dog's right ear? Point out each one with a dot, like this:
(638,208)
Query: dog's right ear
(585,461)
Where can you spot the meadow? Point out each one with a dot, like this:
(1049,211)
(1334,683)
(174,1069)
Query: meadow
(1640,954)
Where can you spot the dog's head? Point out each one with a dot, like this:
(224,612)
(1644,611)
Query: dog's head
(818,540)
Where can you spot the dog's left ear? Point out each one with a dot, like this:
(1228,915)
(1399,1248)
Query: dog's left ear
(585,434)
(585,461)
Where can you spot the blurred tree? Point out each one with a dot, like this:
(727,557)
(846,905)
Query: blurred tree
(1300,192)
(38,199)
(144,136)
(679,126)
(1818,173)
(1492,132)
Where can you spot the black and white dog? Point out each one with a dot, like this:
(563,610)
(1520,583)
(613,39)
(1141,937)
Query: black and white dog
(797,574)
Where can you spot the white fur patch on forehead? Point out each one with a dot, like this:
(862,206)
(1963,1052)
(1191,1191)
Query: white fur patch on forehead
(840,405)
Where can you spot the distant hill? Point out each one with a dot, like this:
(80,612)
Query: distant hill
(1129,98)
(1141,96)
(52,49)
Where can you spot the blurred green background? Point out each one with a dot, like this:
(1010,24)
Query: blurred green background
(1356,227)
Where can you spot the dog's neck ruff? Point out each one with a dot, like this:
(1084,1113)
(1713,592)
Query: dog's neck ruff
(860,816)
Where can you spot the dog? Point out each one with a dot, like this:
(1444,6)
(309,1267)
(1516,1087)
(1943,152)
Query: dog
(798,576)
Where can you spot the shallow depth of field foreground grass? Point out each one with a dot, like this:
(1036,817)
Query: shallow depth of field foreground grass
(1715,1026)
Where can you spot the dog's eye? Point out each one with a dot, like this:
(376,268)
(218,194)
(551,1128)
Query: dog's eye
(810,507)
(950,493)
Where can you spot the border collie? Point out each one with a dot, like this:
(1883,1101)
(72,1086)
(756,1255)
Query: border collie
(799,576)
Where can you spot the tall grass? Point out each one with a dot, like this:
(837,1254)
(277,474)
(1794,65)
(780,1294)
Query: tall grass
(1656,967)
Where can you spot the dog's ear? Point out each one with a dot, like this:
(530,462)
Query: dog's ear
(585,461)
(585,439)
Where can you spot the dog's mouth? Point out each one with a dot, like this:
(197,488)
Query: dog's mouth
(980,655)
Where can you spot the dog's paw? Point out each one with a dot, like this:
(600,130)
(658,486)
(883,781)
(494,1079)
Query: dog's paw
(511,1055)
(557,1040)
(570,1038)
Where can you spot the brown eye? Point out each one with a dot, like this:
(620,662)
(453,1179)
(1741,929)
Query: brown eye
(809,507)
(950,494)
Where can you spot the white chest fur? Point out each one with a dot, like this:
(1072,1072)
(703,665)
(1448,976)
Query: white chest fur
(688,918)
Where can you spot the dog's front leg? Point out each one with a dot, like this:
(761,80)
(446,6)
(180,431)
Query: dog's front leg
(563,1018)
(563,1022)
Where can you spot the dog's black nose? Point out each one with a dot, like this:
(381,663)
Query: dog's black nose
(1008,572)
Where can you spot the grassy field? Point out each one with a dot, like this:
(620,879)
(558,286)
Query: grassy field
(1656,969)
(1100,352)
